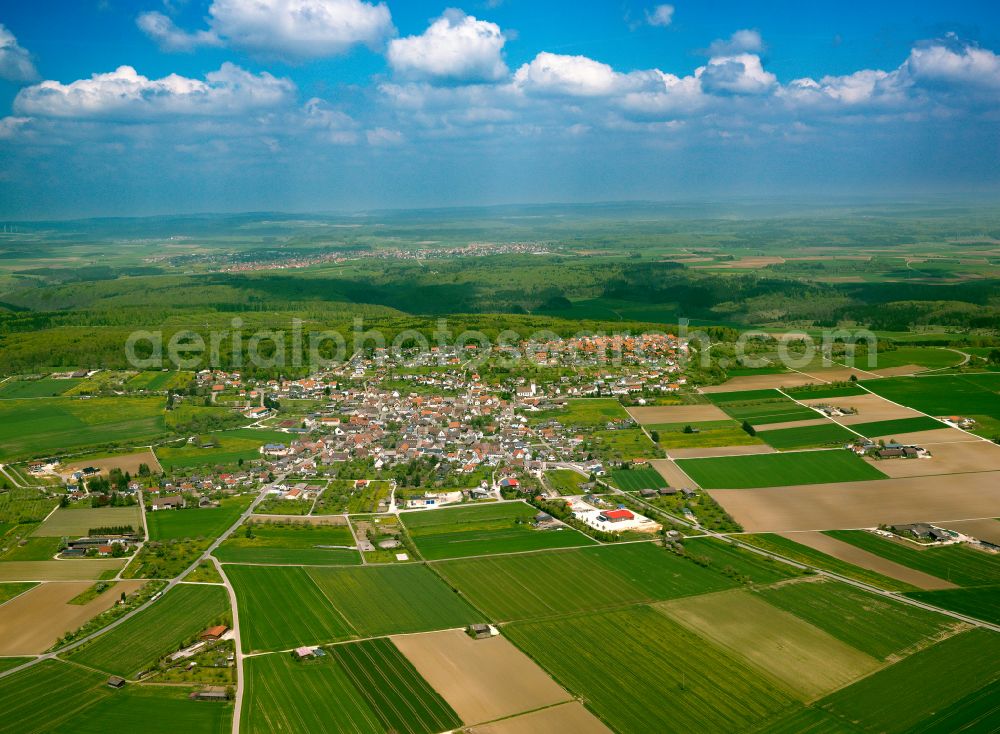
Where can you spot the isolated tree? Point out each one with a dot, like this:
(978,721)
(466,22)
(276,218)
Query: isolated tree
(749,429)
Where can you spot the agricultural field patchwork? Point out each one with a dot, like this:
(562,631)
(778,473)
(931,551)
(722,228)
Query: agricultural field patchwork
(817,436)
(778,470)
(365,688)
(290,542)
(979,602)
(161,628)
(201,522)
(334,604)
(226,448)
(919,687)
(958,564)
(46,426)
(562,582)
(807,661)
(872,624)
(898,426)
(483,529)
(634,479)
(88,705)
(641,671)
(701,434)
(80,521)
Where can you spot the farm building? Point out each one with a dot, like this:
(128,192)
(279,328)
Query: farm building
(116,681)
(171,502)
(620,515)
(213,633)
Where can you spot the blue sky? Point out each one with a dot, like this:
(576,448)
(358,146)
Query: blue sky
(158,106)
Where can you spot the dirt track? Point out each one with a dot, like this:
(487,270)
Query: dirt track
(125,462)
(988,530)
(567,717)
(870,408)
(935,435)
(672,473)
(676,414)
(791,424)
(74,570)
(852,554)
(482,680)
(761,382)
(31,623)
(863,504)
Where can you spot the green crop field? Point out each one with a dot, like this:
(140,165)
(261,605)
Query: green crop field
(88,706)
(151,710)
(632,480)
(9,591)
(760,407)
(977,711)
(334,604)
(584,412)
(363,688)
(956,563)
(265,594)
(621,444)
(562,582)
(45,426)
(46,387)
(872,624)
(980,602)
(11,663)
(33,549)
(231,446)
(929,357)
(290,543)
(900,425)
(778,470)
(814,392)
(28,696)
(273,555)
(501,527)
(565,481)
(205,522)
(641,671)
(972,396)
(812,557)
(744,396)
(385,599)
(908,693)
(821,434)
(178,616)
(79,520)
(737,561)
(21,505)
(704,434)
(395,691)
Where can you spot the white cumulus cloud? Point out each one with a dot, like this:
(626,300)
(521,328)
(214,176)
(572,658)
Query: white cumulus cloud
(301,29)
(950,62)
(661,15)
(574,76)
(739,74)
(124,94)
(15,61)
(740,42)
(456,47)
(169,37)
(291,29)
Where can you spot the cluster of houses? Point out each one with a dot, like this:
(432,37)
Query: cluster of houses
(891,450)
